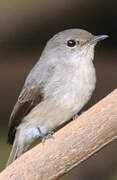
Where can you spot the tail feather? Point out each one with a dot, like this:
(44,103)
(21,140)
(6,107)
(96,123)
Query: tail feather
(16,151)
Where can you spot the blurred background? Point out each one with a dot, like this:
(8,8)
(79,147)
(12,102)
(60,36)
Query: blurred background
(25,26)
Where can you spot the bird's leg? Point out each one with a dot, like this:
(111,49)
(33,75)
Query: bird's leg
(44,137)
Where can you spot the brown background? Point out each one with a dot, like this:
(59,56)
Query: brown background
(25,26)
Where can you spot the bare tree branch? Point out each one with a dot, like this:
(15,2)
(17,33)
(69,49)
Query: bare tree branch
(72,144)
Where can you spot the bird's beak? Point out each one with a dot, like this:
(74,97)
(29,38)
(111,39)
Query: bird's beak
(97,39)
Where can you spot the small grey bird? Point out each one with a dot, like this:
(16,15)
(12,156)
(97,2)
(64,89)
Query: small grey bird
(56,89)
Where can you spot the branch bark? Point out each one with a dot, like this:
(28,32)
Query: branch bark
(72,144)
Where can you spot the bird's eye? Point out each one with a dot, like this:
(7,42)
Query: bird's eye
(71,43)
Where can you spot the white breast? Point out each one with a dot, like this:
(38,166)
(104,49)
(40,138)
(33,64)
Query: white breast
(75,84)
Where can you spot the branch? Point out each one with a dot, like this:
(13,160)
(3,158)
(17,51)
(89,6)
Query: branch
(72,144)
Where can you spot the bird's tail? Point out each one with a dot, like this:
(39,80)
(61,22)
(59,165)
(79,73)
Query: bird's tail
(17,150)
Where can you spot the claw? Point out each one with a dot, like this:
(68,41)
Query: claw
(44,137)
(75,116)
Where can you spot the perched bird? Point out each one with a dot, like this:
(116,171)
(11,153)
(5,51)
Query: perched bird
(56,89)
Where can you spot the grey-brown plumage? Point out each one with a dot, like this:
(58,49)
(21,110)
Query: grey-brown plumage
(58,86)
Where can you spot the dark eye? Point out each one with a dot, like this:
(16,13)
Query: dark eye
(71,43)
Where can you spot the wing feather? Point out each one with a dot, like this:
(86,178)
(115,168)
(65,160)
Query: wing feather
(28,99)
(30,95)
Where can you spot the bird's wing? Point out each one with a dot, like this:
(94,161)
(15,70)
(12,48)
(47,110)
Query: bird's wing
(29,97)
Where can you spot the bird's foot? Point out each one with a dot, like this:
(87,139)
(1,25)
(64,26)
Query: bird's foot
(75,116)
(49,135)
(44,137)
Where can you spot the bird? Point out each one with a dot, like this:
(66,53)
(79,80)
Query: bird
(56,89)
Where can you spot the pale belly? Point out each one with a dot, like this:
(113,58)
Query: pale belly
(63,104)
